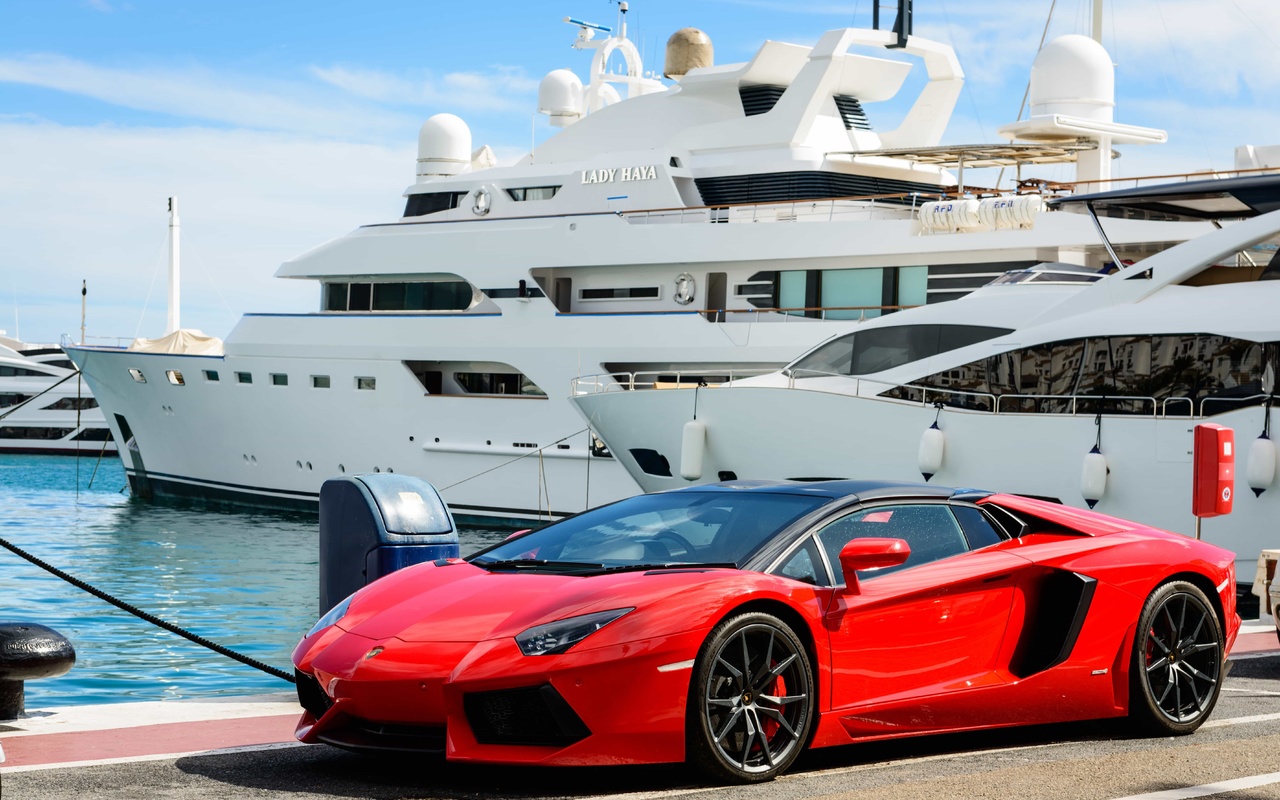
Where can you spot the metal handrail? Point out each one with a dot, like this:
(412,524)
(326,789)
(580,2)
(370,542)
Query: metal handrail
(627,381)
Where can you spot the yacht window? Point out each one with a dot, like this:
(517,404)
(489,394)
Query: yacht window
(399,296)
(21,372)
(33,433)
(429,203)
(13,399)
(335,297)
(137,376)
(319,381)
(752,289)
(497,383)
(93,435)
(244,377)
(358,296)
(875,350)
(211,375)
(279,379)
(175,377)
(853,293)
(1168,374)
(533,193)
(73,404)
(632,292)
(513,292)
(366,384)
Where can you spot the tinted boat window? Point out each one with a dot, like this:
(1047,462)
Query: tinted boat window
(877,349)
(676,527)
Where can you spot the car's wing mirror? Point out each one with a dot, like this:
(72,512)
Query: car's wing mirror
(872,553)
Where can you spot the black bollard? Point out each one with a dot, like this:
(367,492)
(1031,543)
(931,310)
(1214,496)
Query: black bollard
(29,651)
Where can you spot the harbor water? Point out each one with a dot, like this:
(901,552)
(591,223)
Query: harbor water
(246,581)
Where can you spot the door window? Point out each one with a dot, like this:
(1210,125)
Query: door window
(931,531)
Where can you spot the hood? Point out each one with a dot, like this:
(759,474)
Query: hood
(462,603)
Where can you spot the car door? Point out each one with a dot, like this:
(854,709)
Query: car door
(912,645)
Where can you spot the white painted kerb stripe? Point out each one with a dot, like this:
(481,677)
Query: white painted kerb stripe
(1209,789)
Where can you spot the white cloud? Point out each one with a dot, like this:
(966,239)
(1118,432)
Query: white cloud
(90,203)
(499,89)
(198,94)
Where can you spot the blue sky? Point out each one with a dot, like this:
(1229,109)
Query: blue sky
(280,125)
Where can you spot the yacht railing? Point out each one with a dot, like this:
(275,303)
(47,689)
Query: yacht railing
(961,400)
(659,379)
(791,314)
(870,207)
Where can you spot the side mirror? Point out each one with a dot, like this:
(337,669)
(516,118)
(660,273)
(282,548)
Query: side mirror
(872,553)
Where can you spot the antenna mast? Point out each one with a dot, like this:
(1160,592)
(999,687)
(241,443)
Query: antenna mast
(175,321)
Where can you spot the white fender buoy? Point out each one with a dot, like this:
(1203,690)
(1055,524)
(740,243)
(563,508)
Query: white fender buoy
(693,446)
(1262,464)
(1093,476)
(933,443)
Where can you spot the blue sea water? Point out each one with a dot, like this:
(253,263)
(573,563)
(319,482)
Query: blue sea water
(246,581)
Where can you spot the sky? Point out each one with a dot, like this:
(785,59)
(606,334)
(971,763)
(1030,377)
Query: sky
(281,124)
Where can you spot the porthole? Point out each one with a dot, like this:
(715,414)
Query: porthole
(341,468)
(137,376)
(175,377)
(299,463)
(308,466)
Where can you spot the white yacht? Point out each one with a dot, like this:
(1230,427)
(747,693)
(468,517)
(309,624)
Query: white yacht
(44,408)
(700,229)
(1054,381)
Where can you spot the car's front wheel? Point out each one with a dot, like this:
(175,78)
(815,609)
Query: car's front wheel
(1177,661)
(751,700)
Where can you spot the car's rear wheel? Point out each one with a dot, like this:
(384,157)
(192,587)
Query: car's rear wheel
(1177,661)
(751,701)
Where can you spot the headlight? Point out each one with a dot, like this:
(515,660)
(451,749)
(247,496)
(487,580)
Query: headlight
(333,615)
(557,637)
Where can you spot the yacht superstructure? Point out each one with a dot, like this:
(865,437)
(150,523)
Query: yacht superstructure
(1055,381)
(44,408)
(699,230)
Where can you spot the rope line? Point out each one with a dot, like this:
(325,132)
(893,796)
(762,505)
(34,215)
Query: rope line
(154,620)
(37,396)
(537,452)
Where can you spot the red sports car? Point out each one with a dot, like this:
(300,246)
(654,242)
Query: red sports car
(733,625)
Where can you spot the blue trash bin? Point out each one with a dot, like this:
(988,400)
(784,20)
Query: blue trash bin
(373,525)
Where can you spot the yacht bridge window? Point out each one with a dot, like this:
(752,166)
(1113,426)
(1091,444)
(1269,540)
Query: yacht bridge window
(875,350)
(7,371)
(419,205)
(1180,374)
(533,193)
(12,399)
(398,296)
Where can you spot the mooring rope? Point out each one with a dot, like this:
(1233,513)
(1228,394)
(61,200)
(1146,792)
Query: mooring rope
(154,620)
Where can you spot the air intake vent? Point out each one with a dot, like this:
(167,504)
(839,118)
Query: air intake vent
(775,187)
(759,99)
(852,114)
(536,715)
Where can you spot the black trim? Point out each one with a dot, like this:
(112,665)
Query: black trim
(779,187)
(534,716)
(1056,609)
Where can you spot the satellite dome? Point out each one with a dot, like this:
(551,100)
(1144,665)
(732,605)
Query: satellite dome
(444,146)
(688,48)
(1073,76)
(560,97)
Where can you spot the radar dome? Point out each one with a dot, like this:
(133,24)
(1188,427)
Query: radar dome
(688,48)
(1073,76)
(560,97)
(444,147)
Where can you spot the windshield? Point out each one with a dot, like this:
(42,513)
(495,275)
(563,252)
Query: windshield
(672,528)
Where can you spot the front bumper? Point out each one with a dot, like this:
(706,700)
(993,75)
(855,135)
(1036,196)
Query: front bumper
(488,702)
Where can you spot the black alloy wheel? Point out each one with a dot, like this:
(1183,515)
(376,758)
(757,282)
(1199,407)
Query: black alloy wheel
(1177,661)
(751,701)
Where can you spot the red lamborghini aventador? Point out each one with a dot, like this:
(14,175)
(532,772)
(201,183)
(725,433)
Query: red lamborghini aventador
(733,625)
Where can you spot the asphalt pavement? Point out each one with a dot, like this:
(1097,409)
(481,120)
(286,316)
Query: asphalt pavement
(1234,755)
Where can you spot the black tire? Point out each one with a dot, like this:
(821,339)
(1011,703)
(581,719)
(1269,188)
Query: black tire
(1177,667)
(751,700)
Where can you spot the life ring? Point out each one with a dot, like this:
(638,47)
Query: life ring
(686,289)
(482,202)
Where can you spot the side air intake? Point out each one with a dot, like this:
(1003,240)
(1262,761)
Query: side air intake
(759,99)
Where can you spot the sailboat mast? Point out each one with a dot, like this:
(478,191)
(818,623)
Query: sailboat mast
(1097,21)
(175,321)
